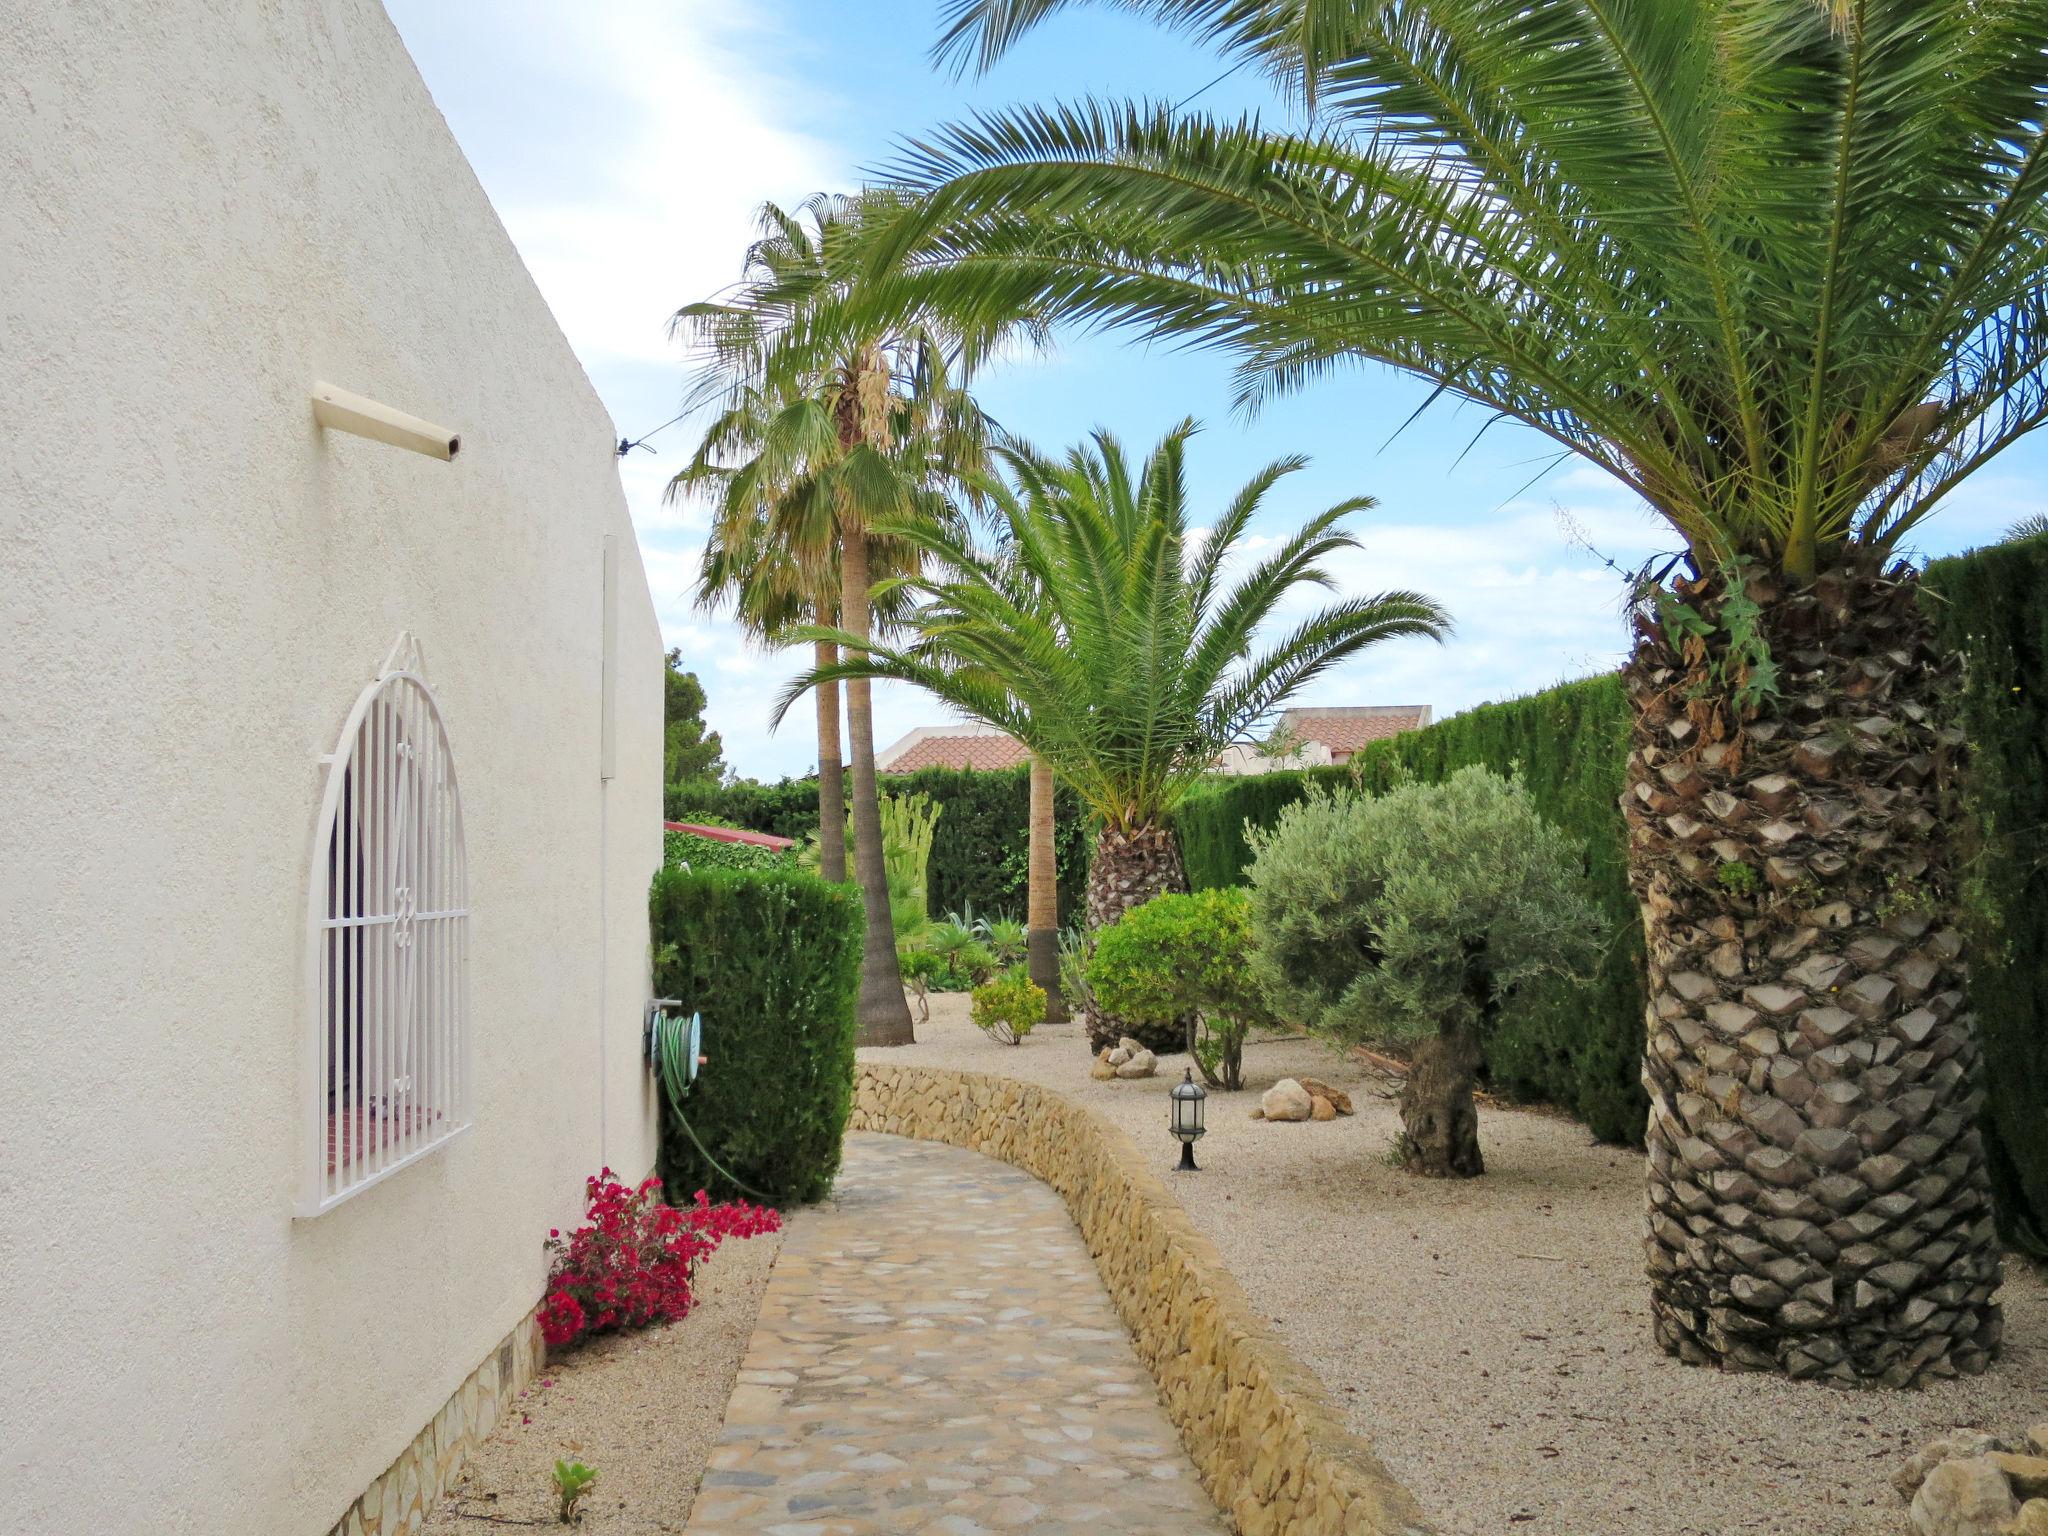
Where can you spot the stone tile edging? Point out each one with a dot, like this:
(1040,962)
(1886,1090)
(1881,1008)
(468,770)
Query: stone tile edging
(399,1501)
(1272,1452)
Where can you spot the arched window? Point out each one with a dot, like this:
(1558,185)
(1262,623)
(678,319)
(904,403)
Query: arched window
(386,1076)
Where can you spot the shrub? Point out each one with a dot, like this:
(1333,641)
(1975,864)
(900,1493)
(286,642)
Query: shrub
(771,961)
(1186,957)
(1414,916)
(1988,607)
(631,1263)
(1576,1042)
(679,848)
(1008,1008)
(1003,937)
(920,967)
(964,961)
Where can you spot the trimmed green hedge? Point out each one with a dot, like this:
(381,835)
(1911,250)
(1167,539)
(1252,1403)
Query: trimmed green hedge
(980,847)
(1580,1048)
(1989,605)
(1577,1046)
(978,850)
(772,962)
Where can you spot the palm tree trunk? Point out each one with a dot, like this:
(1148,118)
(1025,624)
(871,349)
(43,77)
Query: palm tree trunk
(884,1012)
(831,772)
(1042,896)
(1819,1202)
(1129,870)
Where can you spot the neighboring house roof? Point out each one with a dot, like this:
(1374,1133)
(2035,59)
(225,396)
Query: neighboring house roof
(731,835)
(1326,735)
(951,746)
(1346,728)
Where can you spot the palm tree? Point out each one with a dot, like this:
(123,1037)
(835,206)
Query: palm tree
(1107,637)
(765,557)
(1042,893)
(870,424)
(1778,268)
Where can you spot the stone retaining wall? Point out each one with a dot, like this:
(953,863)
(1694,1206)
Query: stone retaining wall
(398,1503)
(1272,1452)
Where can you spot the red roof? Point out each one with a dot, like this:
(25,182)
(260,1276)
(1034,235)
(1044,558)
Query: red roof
(981,749)
(731,835)
(1347,728)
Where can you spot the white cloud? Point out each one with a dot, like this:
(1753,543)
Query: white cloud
(692,146)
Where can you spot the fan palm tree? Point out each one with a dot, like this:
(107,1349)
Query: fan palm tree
(1778,268)
(843,427)
(766,559)
(1042,893)
(1109,639)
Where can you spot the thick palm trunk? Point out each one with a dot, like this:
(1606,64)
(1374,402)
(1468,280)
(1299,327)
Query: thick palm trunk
(1439,1123)
(884,1012)
(1042,896)
(1818,1200)
(831,773)
(1128,871)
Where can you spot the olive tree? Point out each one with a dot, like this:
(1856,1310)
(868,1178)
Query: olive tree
(1411,917)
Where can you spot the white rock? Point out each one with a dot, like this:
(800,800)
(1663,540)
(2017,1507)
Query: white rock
(1144,1064)
(1126,1043)
(1964,1498)
(1120,1055)
(1286,1100)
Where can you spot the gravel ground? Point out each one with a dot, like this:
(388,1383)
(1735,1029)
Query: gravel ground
(1491,1337)
(642,1408)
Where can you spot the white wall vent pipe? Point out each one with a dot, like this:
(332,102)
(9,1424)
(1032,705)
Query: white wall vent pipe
(340,411)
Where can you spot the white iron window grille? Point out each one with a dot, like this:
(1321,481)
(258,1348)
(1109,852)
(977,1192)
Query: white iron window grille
(387,1070)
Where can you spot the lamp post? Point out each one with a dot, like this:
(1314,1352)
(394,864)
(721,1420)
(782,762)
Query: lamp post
(1186,1119)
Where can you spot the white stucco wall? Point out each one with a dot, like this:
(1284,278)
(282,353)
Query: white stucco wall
(205,207)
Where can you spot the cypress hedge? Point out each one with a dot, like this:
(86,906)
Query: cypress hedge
(1989,606)
(1580,1047)
(771,960)
(978,850)
(1575,1045)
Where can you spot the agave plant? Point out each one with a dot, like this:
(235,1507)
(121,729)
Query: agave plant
(1781,269)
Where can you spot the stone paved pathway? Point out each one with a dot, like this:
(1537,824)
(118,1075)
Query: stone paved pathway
(936,1354)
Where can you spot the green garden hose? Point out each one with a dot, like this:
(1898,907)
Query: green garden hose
(676,1061)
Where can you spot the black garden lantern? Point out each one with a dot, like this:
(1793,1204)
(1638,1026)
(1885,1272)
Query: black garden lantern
(1186,1119)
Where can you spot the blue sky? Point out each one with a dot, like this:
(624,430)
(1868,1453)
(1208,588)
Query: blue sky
(626,144)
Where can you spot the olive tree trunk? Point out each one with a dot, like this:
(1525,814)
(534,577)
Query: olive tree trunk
(1042,896)
(1439,1123)
(1129,870)
(831,772)
(884,1011)
(1818,1199)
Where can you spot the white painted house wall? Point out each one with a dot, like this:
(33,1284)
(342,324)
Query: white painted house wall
(205,208)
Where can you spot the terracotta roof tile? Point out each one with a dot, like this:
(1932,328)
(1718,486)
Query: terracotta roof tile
(980,750)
